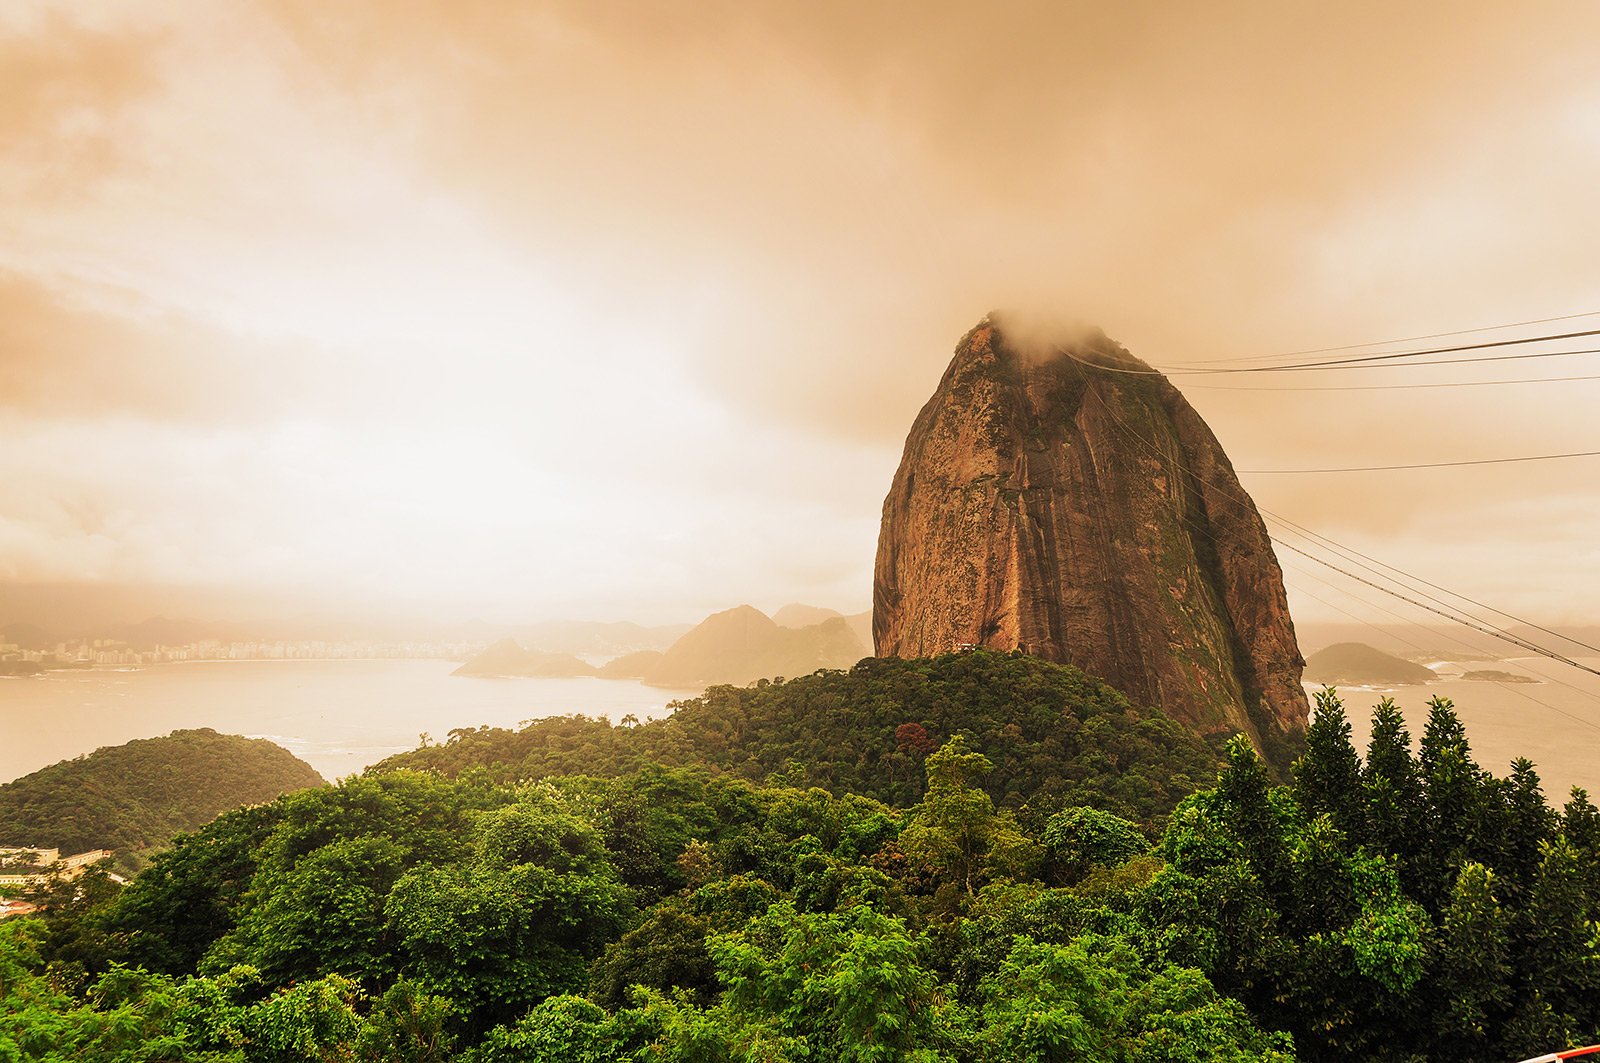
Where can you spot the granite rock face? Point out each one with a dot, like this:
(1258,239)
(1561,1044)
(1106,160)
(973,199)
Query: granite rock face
(1065,500)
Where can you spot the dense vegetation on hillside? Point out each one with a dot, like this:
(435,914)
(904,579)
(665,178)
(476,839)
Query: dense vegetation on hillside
(1402,906)
(133,798)
(1055,736)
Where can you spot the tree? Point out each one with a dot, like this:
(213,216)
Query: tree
(1051,1002)
(1327,779)
(308,1021)
(1078,839)
(1470,970)
(1580,825)
(1093,999)
(323,915)
(851,985)
(559,1029)
(1461,806)
(1529,823)
(407,1025)
(1244,802)
(1395,805)
(1558,968)
(521,922)
(1580,822)
(193,893)
(955,829)
(667,951)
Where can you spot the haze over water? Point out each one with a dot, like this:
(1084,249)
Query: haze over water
(338,716)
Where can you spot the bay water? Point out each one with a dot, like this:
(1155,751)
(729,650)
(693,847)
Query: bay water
(1554,722)
(339,716)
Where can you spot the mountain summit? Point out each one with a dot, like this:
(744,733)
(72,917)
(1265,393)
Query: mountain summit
(1064,499)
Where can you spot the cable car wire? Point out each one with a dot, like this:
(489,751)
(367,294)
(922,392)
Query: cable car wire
(1372,360)
(1449,612)
(1509,688)
(1403,339)
(1421,465)
(1392,387)
(1329,543)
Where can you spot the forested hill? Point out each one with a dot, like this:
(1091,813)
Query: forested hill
(134,798)
(1407,905)
(1056,736)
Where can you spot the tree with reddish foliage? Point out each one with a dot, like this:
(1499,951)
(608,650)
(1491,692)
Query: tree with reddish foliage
(914,738)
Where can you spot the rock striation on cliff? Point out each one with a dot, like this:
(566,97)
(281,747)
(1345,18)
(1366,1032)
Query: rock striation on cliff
(1064,499)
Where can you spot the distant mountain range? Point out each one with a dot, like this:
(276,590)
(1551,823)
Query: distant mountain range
(598,637)
(797,615)
(736,646)
(743,644)
(508,658)
(28,636)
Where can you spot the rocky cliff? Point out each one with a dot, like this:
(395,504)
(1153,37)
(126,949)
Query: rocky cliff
(1064,499)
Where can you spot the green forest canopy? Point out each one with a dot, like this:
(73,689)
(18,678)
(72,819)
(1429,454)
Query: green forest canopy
(135,797)
(1394,904)
(1055,736)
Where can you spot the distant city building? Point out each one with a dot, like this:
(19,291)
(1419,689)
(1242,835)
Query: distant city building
(106,653)
(9,908)
(31,867)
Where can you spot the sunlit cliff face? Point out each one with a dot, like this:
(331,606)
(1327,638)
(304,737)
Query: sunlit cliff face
(586,309)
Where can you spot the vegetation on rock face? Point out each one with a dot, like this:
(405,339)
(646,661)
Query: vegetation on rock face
(1396,906)
(134,797)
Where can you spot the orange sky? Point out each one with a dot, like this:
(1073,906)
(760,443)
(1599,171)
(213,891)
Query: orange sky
(607,309)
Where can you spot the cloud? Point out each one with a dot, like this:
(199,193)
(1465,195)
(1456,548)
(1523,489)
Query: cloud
(66,91)
(642,300)
(96,354)
(852,188)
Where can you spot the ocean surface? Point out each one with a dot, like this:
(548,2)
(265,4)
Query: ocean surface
(1555,723)
(338,716)
(341,716)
